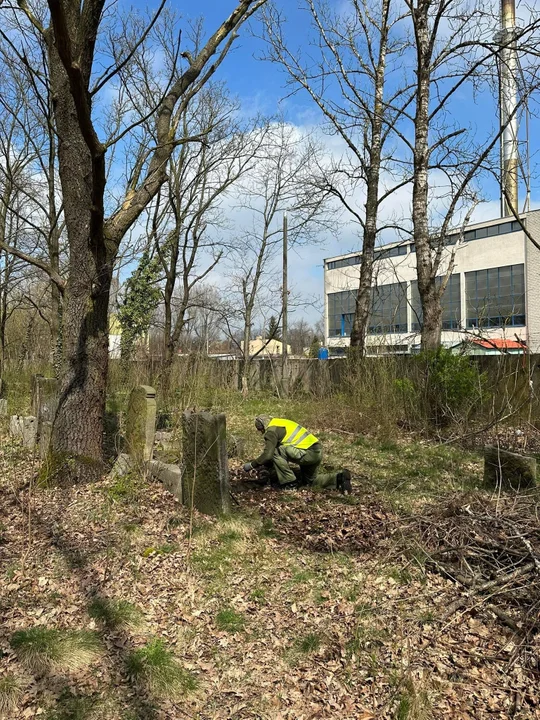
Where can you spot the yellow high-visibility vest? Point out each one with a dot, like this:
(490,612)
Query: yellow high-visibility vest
(295,434)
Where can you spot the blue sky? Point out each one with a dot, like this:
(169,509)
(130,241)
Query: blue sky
(260,86)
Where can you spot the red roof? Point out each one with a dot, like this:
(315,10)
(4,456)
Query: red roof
(499,344)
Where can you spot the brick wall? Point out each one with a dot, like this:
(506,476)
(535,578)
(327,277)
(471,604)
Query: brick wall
(532,280)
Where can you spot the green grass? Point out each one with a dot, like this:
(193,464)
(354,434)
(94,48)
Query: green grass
(115,614)
(230,620)
(156,669)
(414,704)
(124,489)
(310,643)
(42,649)
(74,707)
(10,692)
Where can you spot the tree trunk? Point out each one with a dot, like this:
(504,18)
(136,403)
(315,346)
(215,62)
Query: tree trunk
(429,296)
(246,360)
(77,436)
(363,298)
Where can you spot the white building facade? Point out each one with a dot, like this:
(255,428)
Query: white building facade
(494,290)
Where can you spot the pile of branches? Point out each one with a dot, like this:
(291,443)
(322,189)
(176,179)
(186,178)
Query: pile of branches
(491,549)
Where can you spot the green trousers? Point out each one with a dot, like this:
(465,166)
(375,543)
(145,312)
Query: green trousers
(308,461)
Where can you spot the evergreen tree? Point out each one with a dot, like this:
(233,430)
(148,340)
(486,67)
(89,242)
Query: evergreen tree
(274,330)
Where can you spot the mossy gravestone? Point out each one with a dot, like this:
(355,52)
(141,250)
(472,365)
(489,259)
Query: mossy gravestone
(508,470)
(205,479)
(141,424)
(44,407)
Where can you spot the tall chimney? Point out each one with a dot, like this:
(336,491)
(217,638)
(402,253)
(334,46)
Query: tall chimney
(508,101)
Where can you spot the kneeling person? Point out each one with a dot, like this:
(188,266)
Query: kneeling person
(286,441)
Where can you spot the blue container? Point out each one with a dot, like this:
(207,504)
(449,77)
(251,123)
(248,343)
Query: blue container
(323,353)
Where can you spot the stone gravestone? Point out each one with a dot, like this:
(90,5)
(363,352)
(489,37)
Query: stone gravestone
(205,478)
(25,429)
(44,399)
(141,424)
(508,470)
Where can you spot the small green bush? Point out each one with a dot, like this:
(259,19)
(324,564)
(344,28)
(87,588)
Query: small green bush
(10,692)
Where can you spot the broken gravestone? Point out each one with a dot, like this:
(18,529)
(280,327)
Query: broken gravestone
(169,474)
(236,447)
(25,429)
(508,470)
(205,477)
(3,407)
(141,424)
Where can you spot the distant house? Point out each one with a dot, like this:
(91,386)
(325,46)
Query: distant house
(115,336)
(262,347)
(490,346)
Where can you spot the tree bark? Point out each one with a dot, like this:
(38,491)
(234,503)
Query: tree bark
(429,294)
(363,298)
(76,447)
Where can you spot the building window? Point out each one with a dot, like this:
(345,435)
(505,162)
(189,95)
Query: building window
(341,307)
(388,309)
(450,301)
(495,297)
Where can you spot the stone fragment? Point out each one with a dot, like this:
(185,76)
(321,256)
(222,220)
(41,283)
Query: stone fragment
(121,467)
(141,424)
(168,474)
(236,447)
(16,425)
(29,432)
(205,477)
(508,470)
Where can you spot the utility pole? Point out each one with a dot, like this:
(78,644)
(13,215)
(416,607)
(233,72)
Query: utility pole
(284,374)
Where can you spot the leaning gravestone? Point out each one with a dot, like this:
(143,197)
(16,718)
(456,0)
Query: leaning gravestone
(508,470)
(205,478)
(141,424)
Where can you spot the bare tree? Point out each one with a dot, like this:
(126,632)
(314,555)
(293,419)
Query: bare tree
(72,33)
(454,48)
(281,182)
(354,77)
(187,221)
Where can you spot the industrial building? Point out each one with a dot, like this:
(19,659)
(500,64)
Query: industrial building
(493,291)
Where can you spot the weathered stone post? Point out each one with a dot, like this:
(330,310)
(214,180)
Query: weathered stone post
(141,424)
(44,407)
(508,470)
(205,479)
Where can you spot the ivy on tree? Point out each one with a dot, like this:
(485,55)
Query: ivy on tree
(141,299)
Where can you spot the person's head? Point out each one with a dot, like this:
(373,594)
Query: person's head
(261,422)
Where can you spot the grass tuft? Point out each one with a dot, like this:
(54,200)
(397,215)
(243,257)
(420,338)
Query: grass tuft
(309,643)
(115,614)
(156,668)
(230,620)
(74,707)
(414,704)
(41,649)
(10,692)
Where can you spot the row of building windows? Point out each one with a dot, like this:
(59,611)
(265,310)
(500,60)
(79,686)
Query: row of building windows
(397,250)
(494,298)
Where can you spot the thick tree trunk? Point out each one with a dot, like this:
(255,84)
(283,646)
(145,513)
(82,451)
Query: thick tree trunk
(363,298)
(77,437)
(429,296)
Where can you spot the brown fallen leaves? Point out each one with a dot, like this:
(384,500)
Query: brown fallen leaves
(327,616)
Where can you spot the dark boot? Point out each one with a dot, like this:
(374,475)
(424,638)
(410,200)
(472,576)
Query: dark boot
(343,481)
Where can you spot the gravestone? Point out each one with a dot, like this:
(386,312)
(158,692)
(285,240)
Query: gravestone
(508,470)
(44,400)
(141,424)
(169,475)
(205,478)
(44,438)
(3,407)
(29,432)
(236,447)
(16,424)
(24,429)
